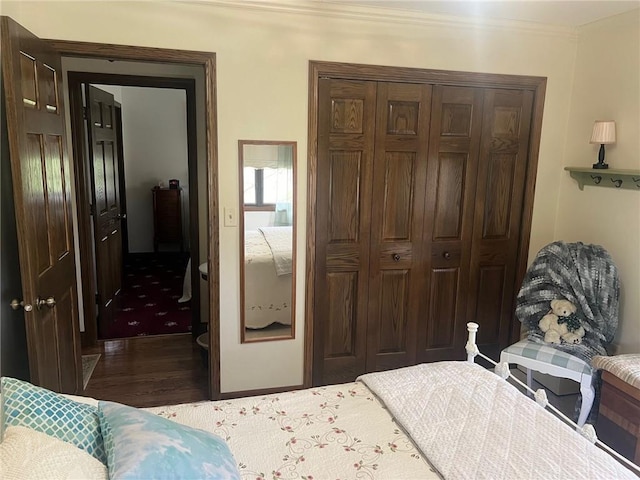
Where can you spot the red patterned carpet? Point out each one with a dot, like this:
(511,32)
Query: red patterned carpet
(151,287)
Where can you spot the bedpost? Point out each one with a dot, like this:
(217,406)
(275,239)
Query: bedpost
(471,347)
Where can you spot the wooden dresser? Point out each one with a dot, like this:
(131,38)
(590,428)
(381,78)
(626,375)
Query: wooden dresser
(167,217)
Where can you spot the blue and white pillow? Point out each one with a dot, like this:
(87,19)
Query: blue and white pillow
(26,405)
(141,445)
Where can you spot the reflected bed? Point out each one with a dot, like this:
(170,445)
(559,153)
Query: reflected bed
(267,277)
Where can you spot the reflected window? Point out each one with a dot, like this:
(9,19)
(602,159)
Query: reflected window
(261,186)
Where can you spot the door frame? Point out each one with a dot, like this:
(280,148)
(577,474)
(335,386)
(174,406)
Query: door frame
(83,188)
(207,60)
(353,71)
(122,196)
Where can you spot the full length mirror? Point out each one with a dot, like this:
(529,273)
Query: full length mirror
(267,240)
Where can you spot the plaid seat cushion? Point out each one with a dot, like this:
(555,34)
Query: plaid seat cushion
(625,367)
(547,354)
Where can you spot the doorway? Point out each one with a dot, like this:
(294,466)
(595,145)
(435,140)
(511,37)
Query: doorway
(127,58)
(135,146)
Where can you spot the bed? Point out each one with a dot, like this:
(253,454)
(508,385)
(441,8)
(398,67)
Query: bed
(267,279)
(447,420)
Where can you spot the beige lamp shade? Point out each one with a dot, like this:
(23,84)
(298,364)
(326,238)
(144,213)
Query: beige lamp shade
(604,132)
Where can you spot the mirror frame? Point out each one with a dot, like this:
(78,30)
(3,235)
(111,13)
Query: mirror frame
(241,224)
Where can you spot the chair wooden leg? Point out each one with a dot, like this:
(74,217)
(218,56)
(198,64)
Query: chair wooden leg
(588,394)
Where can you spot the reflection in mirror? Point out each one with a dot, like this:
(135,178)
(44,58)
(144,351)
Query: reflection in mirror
(267,242)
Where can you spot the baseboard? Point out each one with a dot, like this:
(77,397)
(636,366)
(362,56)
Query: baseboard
(263,391)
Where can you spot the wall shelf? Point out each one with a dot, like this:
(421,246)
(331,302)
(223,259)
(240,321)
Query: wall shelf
(611,178)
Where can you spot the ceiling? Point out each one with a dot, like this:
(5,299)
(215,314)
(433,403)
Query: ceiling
(571,13)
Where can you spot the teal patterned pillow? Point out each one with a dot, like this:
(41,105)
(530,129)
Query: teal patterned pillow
(26,405)
(141,445)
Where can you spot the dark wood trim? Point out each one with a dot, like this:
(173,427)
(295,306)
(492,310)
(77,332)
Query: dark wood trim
(110,51)
(312,177)
(207,60)
(294,153)
(354,71)
(336,70)
(529,193)
(259,392)
(122,182)
(241,270)
(83,212)
(213,238)
(135,80)
(194,211)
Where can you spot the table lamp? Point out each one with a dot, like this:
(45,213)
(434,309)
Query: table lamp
(604,132)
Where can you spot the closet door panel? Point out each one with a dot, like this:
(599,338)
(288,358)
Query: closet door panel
(442,305)
(497,202)
(396,267)
(498,212)
(345,175)
(454,146)
(449,200)
(398,196)
(346,127)
(339,339)
(491,285)
(394,291)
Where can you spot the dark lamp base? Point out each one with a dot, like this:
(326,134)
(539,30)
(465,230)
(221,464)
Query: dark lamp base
(600,166)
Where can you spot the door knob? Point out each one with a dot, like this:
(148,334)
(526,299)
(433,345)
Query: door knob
(48,302)
(18,304)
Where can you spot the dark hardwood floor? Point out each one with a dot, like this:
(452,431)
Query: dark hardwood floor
(149,371)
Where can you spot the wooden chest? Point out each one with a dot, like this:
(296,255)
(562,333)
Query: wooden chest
(620,403)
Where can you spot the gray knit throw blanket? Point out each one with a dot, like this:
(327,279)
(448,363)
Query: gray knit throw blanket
(587,277)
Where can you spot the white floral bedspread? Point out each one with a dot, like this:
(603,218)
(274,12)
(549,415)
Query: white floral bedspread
(335,432)
(471,424)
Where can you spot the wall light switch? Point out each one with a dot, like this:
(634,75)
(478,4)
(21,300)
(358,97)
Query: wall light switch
(230,217)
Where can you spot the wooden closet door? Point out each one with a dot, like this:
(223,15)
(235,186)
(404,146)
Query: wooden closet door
(498,213)
(454,145)
(396,269)
(346,128)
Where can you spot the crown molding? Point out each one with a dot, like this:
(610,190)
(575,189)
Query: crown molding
(325,8)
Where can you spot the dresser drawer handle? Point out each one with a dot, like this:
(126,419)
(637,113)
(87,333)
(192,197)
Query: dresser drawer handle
(446,255)
(396,257)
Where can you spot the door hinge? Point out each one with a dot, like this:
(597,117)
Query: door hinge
(85,113)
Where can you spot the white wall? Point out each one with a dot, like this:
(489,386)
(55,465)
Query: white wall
(607,86)
(154,131)
(262,94)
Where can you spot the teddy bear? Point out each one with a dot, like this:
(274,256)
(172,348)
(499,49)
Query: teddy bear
(560,324)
